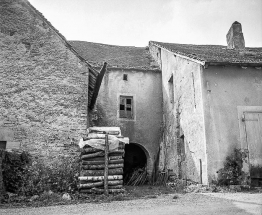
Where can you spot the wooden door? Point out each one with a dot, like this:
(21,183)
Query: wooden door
(253,133)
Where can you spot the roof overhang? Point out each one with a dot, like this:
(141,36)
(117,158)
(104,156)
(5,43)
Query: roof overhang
(206,64)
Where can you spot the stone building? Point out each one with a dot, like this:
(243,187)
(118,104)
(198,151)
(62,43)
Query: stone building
(212,103)
(188,105)
(130,97)
(44,85)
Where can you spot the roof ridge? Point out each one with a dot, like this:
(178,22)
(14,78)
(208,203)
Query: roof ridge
(106,44)
(215,54)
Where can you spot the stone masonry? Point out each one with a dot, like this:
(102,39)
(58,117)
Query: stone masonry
(43,84)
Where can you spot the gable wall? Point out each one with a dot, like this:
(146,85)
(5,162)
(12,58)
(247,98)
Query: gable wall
(182,116)
(43,86)
(145,87)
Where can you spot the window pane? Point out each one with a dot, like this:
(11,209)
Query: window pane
(2,144)
(122,107)
(129,101)
(122,101)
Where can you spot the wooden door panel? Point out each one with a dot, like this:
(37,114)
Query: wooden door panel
(254,141)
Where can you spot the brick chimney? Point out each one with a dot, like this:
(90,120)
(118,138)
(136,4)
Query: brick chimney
(235,37)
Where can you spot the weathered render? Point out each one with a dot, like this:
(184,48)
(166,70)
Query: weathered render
(229,92)
(183,142)
(43,82)
(143,84)
(212,104)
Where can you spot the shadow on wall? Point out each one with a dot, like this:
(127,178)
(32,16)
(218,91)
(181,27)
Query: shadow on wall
(190,166)
(135,158)
(97,116)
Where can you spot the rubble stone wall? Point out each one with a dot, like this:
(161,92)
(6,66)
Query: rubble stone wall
(43,85)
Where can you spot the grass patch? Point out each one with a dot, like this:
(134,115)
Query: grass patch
(49,199)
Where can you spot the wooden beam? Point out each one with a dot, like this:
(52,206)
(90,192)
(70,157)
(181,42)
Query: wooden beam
(97,85)
(106,166)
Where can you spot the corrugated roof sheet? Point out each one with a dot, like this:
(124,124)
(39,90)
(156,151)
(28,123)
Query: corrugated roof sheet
(214,53)
(115,56)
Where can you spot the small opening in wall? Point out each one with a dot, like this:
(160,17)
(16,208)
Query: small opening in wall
(125,77)
(2,144)
(171,89)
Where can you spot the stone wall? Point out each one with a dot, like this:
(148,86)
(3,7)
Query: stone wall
(227,92)
(43,85)
(183,116)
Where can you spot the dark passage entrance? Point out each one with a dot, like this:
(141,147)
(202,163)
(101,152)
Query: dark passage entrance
(135,158)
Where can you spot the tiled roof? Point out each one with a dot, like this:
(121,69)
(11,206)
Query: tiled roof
(115,56)
(214,53)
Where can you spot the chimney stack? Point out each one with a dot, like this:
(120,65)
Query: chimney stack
(235,37)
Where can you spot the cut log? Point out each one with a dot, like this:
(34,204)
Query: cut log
(101,183)
(89,150)
(115,187)
(118,171)
(100,178)
(115,157)
(91,162)
(100,191)
(102,166)
(89,156)
(91,185)
(1,176)
(106,169)
(97,190)
(115,182)
(119,152)
(101,157)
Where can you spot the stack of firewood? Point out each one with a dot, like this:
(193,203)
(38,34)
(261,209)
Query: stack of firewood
(91,179)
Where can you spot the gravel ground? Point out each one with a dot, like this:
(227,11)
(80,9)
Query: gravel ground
(192,203)
(250,202)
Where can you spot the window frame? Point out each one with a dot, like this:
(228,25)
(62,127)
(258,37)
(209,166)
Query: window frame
(123,100)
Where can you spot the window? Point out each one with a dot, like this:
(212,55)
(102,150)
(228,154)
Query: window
(126,107)
(125,77)
(2,144)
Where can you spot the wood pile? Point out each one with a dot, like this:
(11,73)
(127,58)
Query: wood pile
(138,177)
(99,167)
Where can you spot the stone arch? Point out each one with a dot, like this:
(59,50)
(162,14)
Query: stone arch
(143,158)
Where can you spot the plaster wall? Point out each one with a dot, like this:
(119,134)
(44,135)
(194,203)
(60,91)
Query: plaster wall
(224,90)
(145,87)
(183,115)
(43,86)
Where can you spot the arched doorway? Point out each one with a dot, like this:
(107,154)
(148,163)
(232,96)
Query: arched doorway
(135,158)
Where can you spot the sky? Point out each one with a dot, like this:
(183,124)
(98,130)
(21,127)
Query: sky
(136,22)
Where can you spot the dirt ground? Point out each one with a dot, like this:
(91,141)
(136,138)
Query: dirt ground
(165,204)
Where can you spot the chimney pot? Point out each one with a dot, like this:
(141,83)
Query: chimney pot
(235,37)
